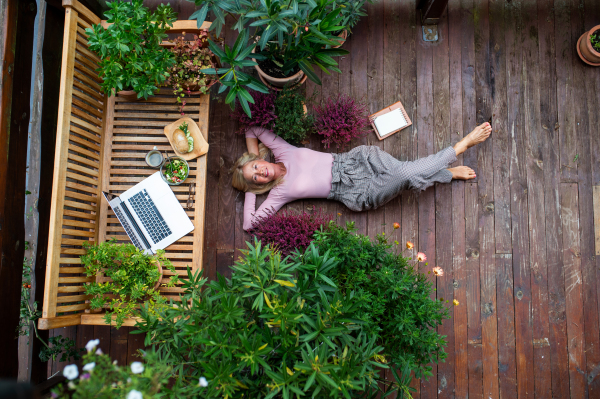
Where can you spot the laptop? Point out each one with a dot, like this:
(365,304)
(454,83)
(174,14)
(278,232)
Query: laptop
(151,215)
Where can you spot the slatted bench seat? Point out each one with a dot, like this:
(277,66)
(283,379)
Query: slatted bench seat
(101,144)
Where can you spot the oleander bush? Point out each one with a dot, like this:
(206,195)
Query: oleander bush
(391,295)
(288,230)
(276,329)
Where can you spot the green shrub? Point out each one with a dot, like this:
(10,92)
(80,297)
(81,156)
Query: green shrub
(595,40)
(391,295)
(292,124)
(131,57)
(277,329)
(133,275)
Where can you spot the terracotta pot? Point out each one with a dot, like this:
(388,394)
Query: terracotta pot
(128,95)
(279,83)
(342,38)
(277,88)
(586,51)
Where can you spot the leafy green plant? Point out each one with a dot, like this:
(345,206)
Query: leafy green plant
(132,275)
(595,40)
(29,314)
(291,34)
(101,378)
(131,57)
(392,296)
(276,329)
(350,12)
(292,123)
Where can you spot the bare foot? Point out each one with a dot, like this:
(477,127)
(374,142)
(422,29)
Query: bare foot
(478,135)
(462,173)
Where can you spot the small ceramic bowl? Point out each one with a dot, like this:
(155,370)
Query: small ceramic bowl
(167,162)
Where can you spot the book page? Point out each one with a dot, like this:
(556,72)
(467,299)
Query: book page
(390,122)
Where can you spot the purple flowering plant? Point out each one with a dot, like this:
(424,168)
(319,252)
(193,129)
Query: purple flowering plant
(340,119)
(263,112)
(289,230)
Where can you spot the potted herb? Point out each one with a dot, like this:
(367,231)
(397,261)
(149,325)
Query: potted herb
(134,278)
(185,76)
(340,120)
(284,112)
(132,61)
(588,46)
(290,39)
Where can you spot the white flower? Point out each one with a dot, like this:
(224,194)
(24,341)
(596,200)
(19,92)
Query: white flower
(89,366)
(71,372)
(137,367)
(133,394)
(92,344)
(99,351)
(203,382)
(71,385)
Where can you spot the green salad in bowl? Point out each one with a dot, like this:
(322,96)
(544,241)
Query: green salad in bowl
(174,170)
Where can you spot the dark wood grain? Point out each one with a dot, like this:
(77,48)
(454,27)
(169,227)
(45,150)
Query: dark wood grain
(571,250)
(459,270)
(443,215)
(473,294)
(16,35)
(507,372)
(535,196)
(500,134)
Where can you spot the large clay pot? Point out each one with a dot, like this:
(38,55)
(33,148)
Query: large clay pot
(586,51)
(279,83)
(342,38)
(128,95)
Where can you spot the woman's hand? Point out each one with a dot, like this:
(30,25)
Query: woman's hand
(252,144)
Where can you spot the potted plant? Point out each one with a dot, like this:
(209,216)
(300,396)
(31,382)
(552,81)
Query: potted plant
(185,76)
(290,38)
(132,60)
(134,277)
(588,46)
(340,120)
(284,112)
(350,13)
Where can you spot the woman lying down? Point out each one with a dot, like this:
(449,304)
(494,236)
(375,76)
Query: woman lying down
(362,179)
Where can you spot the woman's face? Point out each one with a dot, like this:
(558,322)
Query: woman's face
(259,171)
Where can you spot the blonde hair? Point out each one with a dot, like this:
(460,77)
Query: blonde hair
(238,181)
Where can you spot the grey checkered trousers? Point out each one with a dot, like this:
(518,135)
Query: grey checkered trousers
(367,177)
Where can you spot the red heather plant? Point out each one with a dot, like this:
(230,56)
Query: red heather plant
(191,57)
(263,112)
(289,230)
(340,120)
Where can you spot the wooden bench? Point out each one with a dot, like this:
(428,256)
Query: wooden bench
(101,144)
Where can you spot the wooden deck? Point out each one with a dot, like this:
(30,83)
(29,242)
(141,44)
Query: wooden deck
(516,253)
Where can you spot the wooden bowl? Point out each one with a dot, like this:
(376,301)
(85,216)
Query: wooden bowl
(200,145)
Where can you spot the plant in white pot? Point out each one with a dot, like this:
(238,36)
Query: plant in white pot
(132,60)
(289,39)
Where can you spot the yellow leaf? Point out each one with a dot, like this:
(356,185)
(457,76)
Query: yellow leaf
(267,300)
(262,347)
(285,283)
(290,372)
(317,358)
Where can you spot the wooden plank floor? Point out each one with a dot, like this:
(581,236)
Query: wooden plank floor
(518,244)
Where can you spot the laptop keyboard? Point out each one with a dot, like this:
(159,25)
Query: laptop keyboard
(150,216)
(127,227)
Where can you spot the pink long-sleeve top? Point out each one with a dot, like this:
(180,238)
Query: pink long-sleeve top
(308,176)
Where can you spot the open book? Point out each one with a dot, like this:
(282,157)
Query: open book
(389,120)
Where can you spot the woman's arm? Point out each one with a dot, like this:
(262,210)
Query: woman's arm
(275,143)
(252,215)
(252,144)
